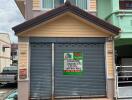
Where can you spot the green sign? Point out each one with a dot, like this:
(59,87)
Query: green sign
(73,63)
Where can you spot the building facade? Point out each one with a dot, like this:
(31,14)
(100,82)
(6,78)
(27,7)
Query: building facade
(33,8)
(66,53)
(5,51)
(119,13)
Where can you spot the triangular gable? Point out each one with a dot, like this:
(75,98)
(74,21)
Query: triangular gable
(66,25)
(67,7)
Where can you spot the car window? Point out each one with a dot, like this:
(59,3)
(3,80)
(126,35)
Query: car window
(12,69)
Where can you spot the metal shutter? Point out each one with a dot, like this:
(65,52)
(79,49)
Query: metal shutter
(40,71)
(92,82)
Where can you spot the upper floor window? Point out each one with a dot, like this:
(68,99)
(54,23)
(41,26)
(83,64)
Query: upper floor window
(49,4)
(83,4)
(126,4)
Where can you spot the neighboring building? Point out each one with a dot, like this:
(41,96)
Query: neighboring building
(33,8)
(14,54)
(119,13)
(66,54)
(5,51)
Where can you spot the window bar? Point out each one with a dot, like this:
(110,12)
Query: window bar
(53,4)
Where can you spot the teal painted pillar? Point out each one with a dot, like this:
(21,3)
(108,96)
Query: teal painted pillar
(115,5)
(104,8)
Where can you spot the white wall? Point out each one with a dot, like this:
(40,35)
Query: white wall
(5,55)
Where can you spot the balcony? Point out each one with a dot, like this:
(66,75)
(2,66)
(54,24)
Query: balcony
(122,19)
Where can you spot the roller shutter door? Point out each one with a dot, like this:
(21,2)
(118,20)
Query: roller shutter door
(91,82)
(40,71)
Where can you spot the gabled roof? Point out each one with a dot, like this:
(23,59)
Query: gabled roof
(67,7)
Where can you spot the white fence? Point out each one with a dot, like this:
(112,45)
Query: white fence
(124,82)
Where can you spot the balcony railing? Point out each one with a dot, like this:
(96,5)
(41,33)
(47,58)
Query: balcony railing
(123,82)
(124,76)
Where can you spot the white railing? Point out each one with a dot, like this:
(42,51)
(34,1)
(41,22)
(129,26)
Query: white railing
(123,82)
(124,74)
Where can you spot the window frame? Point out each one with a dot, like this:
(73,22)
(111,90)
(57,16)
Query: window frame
(46,9)
(125,8)
(88,5)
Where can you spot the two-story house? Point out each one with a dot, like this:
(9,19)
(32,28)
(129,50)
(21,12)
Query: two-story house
(119,13)
(33,8)
(65,53)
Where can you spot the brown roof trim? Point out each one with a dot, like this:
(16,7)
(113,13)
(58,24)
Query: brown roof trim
(67,7)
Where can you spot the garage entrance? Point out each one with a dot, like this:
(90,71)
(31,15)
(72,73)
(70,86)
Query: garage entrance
(47,70)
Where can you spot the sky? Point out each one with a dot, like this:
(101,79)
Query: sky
(10,16)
